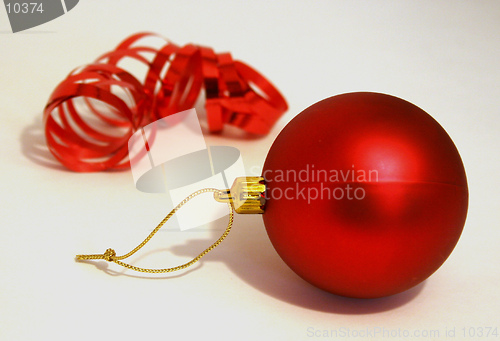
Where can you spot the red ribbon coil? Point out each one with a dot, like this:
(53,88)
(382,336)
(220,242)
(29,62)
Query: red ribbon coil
(93,112)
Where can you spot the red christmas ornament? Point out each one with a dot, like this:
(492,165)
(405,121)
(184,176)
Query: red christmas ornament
(362,194)
(366,195)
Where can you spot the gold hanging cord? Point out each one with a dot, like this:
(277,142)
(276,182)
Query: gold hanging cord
(246,196)
(110,254)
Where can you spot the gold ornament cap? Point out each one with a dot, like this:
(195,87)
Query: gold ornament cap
(247,195)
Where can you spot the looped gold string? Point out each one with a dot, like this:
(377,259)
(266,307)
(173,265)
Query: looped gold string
(110,254)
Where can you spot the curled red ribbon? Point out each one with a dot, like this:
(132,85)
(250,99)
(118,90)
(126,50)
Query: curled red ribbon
(93,112)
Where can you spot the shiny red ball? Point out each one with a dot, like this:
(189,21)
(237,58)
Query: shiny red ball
(366,195)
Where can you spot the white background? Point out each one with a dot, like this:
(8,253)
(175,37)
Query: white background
(441,55)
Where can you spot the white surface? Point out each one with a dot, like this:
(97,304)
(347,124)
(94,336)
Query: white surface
(441,55)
